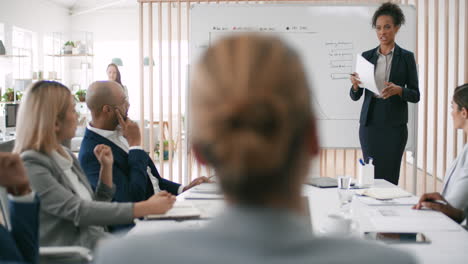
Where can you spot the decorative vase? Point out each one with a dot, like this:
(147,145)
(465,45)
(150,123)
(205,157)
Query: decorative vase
(67,49)
(2,48)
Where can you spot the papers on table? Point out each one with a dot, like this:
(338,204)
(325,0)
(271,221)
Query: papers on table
(150,227)
(365,69)
(212,188)
(204,196)
(398,201)
(384,193)
(405,219)
(209,208)
(181,210)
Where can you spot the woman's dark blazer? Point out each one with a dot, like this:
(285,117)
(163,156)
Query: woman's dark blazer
(403,73)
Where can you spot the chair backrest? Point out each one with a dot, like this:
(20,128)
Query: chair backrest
(7,146)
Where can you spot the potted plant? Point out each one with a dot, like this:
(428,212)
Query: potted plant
(68,47)
(165,150)
(9,95)
(19,95)
(81,95)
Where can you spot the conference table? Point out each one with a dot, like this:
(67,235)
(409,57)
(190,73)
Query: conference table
(449,240)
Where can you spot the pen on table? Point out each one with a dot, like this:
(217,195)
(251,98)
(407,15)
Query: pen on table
(210,177)
(442,202)
(362,162)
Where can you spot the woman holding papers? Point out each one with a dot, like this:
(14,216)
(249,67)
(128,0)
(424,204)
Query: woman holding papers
(383,131)
(454,198)
(71,214)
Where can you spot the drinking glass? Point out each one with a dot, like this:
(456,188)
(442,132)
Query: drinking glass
(344,193)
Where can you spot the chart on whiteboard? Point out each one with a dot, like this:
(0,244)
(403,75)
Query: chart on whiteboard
(327,39)
(339,58)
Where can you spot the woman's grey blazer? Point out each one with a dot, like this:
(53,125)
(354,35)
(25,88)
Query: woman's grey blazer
(65,218)
(455,188)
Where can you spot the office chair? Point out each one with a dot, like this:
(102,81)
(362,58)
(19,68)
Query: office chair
(76,253)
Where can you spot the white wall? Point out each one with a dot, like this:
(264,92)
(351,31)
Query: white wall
(116,34)
(39,16)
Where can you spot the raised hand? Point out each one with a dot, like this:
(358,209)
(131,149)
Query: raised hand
(130,130)
(104,155)
(197,181)
(13,175)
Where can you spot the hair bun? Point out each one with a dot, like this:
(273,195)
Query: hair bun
(259,118)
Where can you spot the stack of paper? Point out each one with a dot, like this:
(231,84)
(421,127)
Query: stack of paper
(181,210)
(212,188)
(384,193)
(398,201)
(203,196)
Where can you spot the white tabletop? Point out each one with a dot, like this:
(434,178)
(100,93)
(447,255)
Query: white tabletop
(449,240)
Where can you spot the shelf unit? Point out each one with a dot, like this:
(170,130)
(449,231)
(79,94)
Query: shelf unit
(16,65)
(74,67)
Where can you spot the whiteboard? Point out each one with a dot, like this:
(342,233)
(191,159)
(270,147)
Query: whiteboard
(327,38)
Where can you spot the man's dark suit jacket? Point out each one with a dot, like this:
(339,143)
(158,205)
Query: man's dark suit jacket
(129,170)
(21,244)
(403,73)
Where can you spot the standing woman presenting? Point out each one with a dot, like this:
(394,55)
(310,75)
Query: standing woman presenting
(383,131)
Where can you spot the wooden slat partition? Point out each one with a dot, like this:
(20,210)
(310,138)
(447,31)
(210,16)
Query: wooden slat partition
(332,162)
(425,94)
(435,91)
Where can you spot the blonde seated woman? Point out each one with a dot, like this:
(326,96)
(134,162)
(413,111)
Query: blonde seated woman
(253,123)
(71,214)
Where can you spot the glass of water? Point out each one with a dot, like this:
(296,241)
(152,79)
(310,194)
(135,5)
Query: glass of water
(344,192)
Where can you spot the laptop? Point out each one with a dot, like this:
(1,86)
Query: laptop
(324,182)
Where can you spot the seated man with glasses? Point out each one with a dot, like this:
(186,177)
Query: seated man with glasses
(134,173)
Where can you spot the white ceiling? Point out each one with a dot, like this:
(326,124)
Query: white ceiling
(77,6)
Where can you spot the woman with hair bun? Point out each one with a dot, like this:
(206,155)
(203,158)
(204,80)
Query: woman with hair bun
(383,131)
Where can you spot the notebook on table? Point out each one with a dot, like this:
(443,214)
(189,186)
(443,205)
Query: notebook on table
(181,210)
(384,193)
(324,182)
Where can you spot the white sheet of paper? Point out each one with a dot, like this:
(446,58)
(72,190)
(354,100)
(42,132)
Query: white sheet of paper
(384,193)
(398,201)
(365,70)
(405,219)
(204,196)
(206,188)
(181,209)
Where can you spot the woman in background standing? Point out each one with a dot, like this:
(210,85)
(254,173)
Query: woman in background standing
(113,74)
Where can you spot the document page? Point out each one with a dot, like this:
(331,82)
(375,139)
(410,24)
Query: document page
(365,70)
(384,193)
(181,209)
